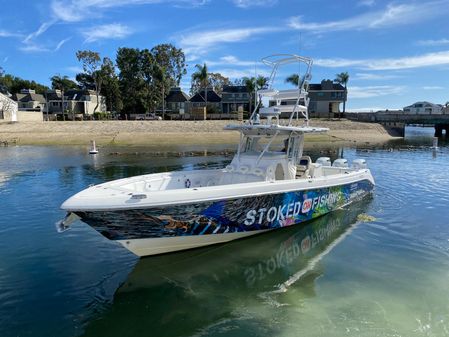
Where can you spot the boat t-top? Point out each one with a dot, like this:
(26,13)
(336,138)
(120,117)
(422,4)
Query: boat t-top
(269,184)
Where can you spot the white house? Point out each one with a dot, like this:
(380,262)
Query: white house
(426,108)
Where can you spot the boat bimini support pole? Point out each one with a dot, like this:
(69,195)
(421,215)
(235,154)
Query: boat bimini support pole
(266,147)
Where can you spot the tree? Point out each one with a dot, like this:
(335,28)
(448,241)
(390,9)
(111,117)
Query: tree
(62,83)
(293,79)
(110,88)
(14,84)
(202,77)
(151,74)
(262,82)
(343,79)
(161,81)
(132,84)
(250,84)
(214,80)
(217,81)
(85,81)
(171,60)
(3,88)
(168,69)
(91,66)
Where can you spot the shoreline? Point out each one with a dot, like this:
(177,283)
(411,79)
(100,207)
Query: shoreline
(174,133)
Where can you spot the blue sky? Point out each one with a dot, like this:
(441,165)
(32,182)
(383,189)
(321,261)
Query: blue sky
(396,52)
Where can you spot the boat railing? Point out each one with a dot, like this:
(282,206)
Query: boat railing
(300,108)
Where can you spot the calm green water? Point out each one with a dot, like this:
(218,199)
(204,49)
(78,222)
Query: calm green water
(336,276)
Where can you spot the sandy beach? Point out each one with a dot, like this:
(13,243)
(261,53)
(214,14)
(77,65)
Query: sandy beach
(167,133)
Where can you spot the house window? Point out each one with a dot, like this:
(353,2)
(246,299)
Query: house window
(320,94)
(2,116)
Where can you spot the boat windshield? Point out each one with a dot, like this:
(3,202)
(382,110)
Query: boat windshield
(256,145)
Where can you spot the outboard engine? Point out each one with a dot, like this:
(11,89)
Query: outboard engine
(340,163)
(359,164)
(324,161)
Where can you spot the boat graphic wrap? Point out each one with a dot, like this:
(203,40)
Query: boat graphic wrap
(263,212)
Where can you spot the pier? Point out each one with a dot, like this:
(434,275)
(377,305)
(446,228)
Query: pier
(396,121)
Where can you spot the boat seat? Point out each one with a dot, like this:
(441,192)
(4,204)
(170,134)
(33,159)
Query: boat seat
(303,167)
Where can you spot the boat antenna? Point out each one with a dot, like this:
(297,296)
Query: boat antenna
(255,85)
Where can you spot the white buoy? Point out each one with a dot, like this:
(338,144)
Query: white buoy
(435,143)
(93,147)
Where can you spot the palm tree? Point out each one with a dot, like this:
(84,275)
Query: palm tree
(261,82)
(343,79)
(293,79)
(202,76)
(250,84)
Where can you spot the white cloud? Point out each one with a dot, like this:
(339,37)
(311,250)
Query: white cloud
(198,42)
(61,43)
(34,48)
(108,31)
(42,29)
(440,42)
(79,10)
(425,60)
(373,77)
(231,61)
(392,15)
(374,91)
(254,3)
(433,87)
(5,33)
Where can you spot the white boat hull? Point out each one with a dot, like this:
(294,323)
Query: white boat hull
(155,246)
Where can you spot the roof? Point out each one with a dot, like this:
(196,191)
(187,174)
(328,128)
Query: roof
(235,89)
(319,87)
(424,103)
(177,95)
(29,98)
(70,95)
(76,95)
(53,95)
(212,97)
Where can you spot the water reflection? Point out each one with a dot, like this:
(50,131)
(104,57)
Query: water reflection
(179,294)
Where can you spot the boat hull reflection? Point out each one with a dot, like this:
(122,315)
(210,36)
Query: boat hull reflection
(206,283)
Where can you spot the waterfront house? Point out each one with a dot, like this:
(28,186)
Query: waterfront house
(213,101)
(177,102)
(234,97)
(80,102)
(28,100)
(325,99)
(424,108)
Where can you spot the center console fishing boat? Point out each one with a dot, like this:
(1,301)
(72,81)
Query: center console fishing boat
(269,184)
